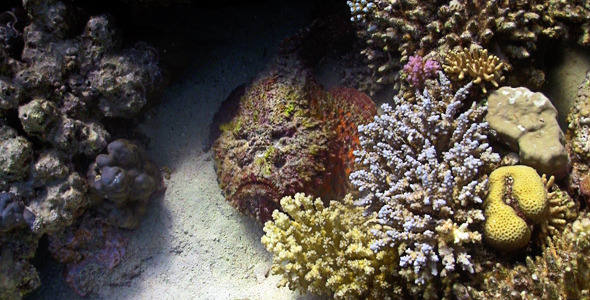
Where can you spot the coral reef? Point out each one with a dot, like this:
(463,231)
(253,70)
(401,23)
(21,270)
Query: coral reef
(88,247)
(422,166)
(288,136)
(561,271)
(124,179)
(475,64)
(527,122)
(394,30)
(577,137)
(326,250)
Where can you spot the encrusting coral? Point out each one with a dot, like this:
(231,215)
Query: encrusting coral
(87,247)
(577,137)
(422,166)
(326,250)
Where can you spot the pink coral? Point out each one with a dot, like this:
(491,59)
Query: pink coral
(417,70)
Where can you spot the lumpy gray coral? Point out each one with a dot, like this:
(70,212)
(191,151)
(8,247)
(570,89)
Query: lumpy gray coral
(13,213)
(124,179)
(423,169)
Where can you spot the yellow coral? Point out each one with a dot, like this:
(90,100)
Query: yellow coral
(515,193)
(326,250)
(477,64)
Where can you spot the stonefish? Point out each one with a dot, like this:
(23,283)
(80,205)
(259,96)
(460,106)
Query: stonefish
(288,135)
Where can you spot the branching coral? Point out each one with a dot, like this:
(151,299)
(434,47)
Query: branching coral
(422,168)
(325,250)
(475,64)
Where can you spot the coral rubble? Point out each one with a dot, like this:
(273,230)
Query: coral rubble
(527,122)
(422,167)
(326,250)
(288,136)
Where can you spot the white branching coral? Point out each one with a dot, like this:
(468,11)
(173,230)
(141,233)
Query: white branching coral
(421,169)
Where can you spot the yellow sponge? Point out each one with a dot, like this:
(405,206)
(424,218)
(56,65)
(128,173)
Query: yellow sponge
(516,196)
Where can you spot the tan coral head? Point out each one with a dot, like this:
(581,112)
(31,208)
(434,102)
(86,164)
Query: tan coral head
(517,199)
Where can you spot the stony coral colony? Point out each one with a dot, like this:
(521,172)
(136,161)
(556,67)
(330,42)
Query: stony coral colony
(450,199)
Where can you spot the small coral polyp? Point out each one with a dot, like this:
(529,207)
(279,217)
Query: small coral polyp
(517,198)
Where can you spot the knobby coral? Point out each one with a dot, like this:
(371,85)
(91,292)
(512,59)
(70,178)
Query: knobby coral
(326,250)
(422,167)
(124,179)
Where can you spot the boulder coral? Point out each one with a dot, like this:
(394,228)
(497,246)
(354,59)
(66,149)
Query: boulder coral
(516,196)
(521,204)
(527,122)
(326,250)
